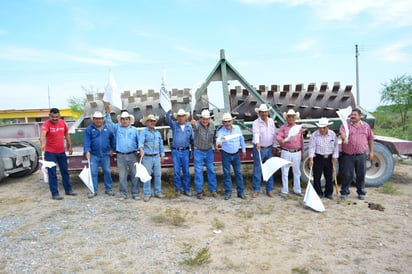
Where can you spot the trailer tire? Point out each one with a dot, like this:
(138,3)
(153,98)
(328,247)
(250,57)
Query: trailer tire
(1,169)
(380,169)
(34,164)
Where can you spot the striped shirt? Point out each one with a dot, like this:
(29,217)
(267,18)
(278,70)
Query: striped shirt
(205,137)
(264,134)
(358,138)
(324,144)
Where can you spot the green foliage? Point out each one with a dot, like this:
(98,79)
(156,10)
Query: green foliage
(171,216)
(201,257)
(399,94)
(388,188)
(77,105)
(389,123)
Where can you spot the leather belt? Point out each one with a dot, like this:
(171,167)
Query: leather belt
(266,146)
(231,154)
(355,154)
(326,156)
(291,150)
(180,148)
(151,155)
(203,149)
(125,153)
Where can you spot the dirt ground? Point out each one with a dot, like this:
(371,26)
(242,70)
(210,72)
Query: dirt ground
(186,235)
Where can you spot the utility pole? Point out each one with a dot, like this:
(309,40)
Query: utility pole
(357,76)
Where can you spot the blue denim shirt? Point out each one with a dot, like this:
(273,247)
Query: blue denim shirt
(181,138)
(127,139)
(151,142)
(98,142)
(232,145)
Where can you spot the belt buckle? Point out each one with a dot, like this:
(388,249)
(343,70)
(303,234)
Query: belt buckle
(326,156)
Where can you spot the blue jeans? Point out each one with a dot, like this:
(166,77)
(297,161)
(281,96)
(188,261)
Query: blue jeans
(152,165)
(265,153)
(204,157)
(125,164)
(347,164)
(234,160)
(181,163)
(61,160)
(104,162)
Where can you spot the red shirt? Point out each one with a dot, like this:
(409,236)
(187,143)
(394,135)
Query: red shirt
(55,136)
(358,138)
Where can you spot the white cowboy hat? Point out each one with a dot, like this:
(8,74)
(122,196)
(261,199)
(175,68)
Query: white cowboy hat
(205,114)
(323,122)
(126,114)
(97,114)
(227,117)
(291,112)
(262,108)
(149,117)
(181,112)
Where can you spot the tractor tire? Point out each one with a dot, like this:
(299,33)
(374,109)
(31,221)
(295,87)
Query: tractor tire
(380,169)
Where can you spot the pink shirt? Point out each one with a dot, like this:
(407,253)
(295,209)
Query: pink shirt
(296,142)
(358,138)
(55,136)
(264,134)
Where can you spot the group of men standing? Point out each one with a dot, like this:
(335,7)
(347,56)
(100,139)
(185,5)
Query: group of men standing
(199,139)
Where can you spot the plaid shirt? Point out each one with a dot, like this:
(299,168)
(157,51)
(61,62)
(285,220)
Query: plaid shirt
(205,137)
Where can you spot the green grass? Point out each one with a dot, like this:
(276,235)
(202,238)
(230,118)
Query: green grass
(388,188)
(171,216)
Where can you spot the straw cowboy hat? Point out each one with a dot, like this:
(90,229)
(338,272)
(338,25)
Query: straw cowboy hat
(227,117)
(97,114)
(291,112)
(126,114)
(205,114)
(323,122)
(181,112)
(149,117)
(262,108)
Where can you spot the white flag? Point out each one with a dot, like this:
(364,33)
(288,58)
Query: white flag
(311,198)
(141,173)
(165,101)
(293,132)
(343,115)
(271,166)
(111,93)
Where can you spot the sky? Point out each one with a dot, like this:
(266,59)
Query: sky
(54,50)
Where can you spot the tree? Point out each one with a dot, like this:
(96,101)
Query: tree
(399,94)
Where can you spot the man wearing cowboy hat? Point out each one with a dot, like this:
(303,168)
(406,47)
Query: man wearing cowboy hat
(323,153)
(264,142)
(204,145)
(292,150)
(182,135)
(230,155)
(152,153)
(127,144)
(354,154)
(99,146)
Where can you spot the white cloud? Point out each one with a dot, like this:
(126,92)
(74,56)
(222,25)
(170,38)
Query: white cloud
(305,45)
(399,51)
